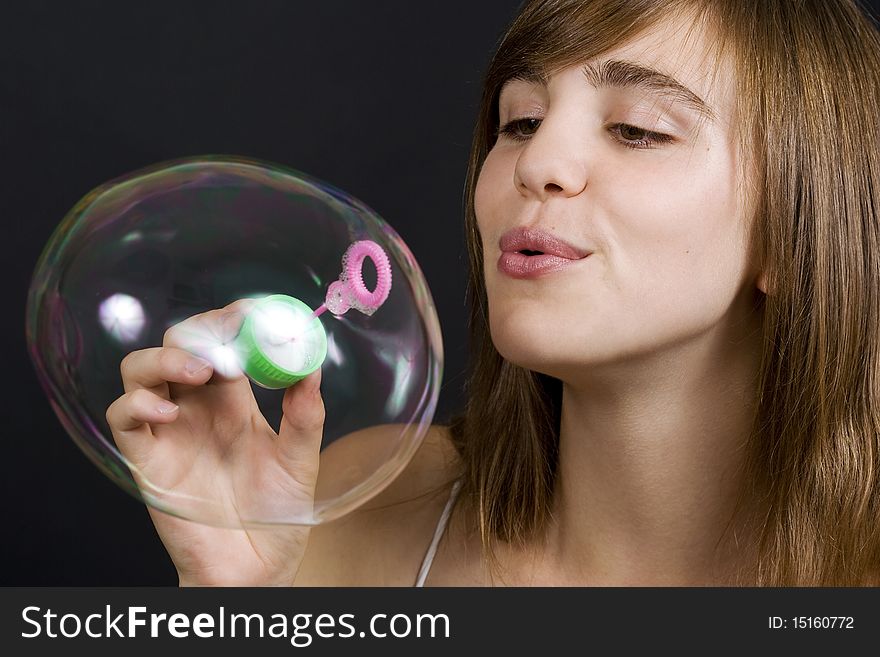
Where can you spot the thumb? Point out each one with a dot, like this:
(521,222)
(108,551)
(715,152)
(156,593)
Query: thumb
(302,428)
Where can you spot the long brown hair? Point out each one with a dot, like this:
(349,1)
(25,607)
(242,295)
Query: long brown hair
(808,93)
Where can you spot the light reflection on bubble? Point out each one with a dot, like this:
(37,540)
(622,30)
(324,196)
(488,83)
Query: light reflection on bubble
(122,316)
(225,360)
(334,353)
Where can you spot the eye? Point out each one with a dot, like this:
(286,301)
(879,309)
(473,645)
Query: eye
(511,129)
(638,138)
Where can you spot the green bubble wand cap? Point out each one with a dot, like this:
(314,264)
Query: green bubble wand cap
(280,342)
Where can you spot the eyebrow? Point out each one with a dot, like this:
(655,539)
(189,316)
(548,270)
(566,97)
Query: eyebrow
(616,73)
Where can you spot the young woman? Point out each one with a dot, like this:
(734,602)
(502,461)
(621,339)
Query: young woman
(672,223)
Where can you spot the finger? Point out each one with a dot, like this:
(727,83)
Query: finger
(130,417)
(229,317)
(302,429)
(211,335)
(153,368)
(133,409)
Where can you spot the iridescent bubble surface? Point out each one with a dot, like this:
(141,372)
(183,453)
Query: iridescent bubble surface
(152,249)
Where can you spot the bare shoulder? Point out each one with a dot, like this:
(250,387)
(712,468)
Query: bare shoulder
(382,542)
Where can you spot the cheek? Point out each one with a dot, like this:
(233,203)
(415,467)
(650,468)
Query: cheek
(489,191)
(489,199)
(685,253)
(682,215)
(673,261)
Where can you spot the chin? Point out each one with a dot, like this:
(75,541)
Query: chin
(531,345)
(547,349)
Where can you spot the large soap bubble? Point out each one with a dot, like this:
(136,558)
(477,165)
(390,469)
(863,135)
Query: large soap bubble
(151,250)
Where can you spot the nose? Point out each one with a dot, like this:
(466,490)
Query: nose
(550,164)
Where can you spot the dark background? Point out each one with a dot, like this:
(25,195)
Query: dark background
(377,98)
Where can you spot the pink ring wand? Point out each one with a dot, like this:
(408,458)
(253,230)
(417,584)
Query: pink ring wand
(349,291)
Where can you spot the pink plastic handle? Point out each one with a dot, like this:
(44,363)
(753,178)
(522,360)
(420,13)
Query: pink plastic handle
(350,291)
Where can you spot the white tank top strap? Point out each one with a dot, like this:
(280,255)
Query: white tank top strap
(438,533)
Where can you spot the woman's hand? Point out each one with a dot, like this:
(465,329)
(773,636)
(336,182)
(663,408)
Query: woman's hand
(193,433)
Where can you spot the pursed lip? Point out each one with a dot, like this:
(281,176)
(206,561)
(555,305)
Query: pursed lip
(524,238)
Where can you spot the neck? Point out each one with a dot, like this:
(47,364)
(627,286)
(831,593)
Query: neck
(650,466)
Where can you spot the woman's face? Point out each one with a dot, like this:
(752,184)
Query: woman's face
(659,213)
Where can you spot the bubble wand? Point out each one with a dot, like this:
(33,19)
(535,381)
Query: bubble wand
(349,290)
(280,342)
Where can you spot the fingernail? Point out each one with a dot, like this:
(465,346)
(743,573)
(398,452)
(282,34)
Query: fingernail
(166,407)
(196,365)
